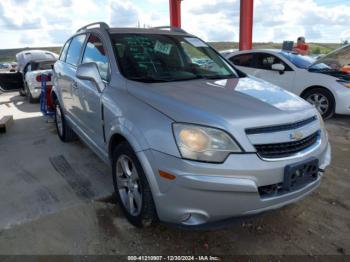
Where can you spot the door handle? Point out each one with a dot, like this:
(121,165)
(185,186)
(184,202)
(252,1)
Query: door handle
(75,85)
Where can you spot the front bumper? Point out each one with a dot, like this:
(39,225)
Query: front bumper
(342,101)
(205,193)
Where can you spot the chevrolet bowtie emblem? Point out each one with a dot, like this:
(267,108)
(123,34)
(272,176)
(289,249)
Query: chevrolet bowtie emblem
(297,135)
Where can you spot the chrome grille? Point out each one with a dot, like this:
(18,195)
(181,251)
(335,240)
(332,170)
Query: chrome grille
(278,128)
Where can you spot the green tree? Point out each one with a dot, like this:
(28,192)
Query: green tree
(316,50)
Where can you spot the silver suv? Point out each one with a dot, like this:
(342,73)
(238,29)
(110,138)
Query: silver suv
(191,140)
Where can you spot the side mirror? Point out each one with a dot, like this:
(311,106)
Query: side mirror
(89,72)
(278,67)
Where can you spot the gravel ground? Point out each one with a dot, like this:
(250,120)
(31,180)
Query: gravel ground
(317,225)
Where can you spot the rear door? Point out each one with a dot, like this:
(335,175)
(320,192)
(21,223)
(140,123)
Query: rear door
(68,83)
(11,81)
(59,78)
(90,113)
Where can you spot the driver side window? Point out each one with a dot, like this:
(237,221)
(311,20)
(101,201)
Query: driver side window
(95,52)
(265,61)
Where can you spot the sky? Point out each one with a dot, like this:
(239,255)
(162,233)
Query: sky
(37,23)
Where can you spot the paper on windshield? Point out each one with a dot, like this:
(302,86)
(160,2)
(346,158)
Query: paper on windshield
(162,48)
(195,42)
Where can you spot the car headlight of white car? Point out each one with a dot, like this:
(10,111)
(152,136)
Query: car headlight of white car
(201,143)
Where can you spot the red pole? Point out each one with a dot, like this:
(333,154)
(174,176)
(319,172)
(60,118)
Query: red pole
(246,25)
(175,13)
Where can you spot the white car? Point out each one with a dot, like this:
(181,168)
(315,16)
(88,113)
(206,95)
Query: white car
(227,51)
(24,59)
(33,72)
(326,87)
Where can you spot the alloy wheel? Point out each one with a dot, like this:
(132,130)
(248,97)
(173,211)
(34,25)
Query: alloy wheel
(319,101)
(128,182)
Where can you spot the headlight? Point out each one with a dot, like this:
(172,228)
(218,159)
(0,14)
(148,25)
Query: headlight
(204,143)
(344,83)
(323,128)
(321,120)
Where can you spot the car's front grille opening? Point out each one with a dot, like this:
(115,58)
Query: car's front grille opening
(287,149)
(271,190)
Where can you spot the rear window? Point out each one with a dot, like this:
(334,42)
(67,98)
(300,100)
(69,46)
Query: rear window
(246,60)
(74,50)
(42,66)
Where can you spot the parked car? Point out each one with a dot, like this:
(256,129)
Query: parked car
(24,59)
(4,67)
(186,144)
(15,80)
(321,84)
(33,73)
(227,51)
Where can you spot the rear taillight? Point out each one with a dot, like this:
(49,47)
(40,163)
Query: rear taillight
(47,78)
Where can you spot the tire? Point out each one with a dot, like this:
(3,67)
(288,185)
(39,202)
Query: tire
(322,99)
(22,92)
(130,182)
(65,133)
(31,99)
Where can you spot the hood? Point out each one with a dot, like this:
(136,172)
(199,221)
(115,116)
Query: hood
(336,59)
(216,102)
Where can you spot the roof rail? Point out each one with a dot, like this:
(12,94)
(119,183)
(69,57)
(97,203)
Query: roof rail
(171,28)
(101,24)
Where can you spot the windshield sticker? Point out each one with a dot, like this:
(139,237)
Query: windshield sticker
(162,48)
(196,42)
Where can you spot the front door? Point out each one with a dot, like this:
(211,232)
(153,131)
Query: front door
(284,79)
(68,80)
(90,97)
(260,65)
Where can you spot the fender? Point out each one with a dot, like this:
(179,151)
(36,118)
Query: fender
(136,139)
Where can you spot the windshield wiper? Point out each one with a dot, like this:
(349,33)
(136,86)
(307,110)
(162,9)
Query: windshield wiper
(149,79)
(163,80)
(160,80)
(323,70)
(217,76)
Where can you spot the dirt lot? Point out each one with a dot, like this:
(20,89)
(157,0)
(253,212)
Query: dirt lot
(317,225)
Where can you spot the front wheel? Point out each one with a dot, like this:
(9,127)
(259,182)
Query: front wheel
(132,188)
(323,100)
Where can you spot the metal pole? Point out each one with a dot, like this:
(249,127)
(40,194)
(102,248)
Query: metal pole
(246,25)
(175,13)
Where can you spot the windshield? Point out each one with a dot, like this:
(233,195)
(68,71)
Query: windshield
(163,58)
(42,66)
(303,61)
